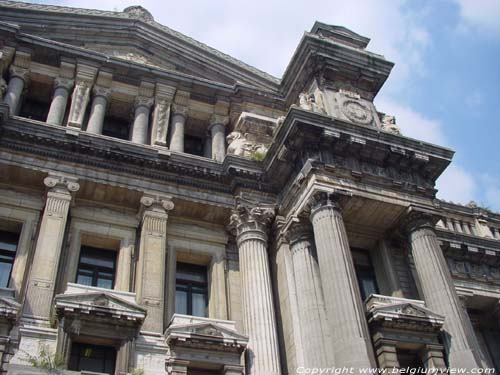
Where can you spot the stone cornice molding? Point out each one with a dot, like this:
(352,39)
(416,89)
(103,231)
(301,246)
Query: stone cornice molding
(65,83)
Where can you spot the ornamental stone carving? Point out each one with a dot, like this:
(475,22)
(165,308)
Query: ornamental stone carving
(249,214)
(143,101)
(389,124)
(138,12)
(65,83)
(308,102)
(18,72)
(357,112)
(101,91)
(180,110)
(160,120)
(239,145)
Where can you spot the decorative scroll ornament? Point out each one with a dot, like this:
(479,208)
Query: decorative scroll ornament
(389,125)
(62,183)
(162,203)
(357,112)
(239,145)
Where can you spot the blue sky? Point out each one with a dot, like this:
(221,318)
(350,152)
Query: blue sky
(445,87)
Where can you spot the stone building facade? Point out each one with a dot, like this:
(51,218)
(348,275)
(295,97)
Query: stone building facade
(169,209)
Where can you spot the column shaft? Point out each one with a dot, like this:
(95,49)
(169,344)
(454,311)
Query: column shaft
(140,125)
(178,121)
(48,248)
(15,90)
(346,314)
(59,101)
(98,111)
(313,323)
(440,294)
(150,280)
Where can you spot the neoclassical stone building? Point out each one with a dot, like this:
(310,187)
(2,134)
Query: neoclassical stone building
(165,207)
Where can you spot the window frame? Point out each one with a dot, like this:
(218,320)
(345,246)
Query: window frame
(188,286)
(10,256)
(364,271)
(96,270)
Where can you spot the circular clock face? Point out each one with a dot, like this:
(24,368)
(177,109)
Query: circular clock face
(357,112)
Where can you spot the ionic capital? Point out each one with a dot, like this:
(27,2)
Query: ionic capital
(218,120)
(156,202)
(143,101)
(65,83)
(101,91)
(18,72)
(61,183)
(181,110)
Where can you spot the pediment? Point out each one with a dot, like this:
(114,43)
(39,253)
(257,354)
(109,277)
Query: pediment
(208,330)
(9,308)
(98,301)
(408,311)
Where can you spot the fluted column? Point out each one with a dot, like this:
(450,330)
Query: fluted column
(45,263)
(150,278)
(217,130)
(98,109)
(439,291)
(59,100)
(251,223)
(141,120)
(346,315)
(313,323)
(178,122)
(17,82)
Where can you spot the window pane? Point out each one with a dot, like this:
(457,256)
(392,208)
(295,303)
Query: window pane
(103,283)
(96,267)
(84,280)
(5,269)
(368,287)
(199,304)
(181,302)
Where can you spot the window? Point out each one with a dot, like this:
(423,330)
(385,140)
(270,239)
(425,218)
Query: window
(96,267)
(365,273)
(191,290)
(116,128)
(193,145)
(93,358)
(34,109)
(410,360)
(8,246)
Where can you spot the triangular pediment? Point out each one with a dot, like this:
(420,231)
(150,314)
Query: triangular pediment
(408,311)
(101,301)
(207,329)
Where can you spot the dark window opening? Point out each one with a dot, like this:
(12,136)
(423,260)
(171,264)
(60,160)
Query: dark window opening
(116,128)
(191,290)
(8,247)
(365,273)
(193,145)
(409,359)
(34,109)
(93,358)
(96,267)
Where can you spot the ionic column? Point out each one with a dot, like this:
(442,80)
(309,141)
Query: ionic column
(251,223)
(178,122)
(217,130)
(79,102)
(18,80)
(439,291)
(45,263)
(98,109)
(346,315)
(59,100)
(150,278)
(141,120)
(313,323)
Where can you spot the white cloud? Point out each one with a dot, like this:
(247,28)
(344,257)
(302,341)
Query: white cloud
(412,123)
(483,15)
(457,185)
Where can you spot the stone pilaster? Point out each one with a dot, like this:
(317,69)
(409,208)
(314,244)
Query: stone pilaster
(346,315)
(85,76)
(150,278)
(140,125)
(161,114)
(178,123)
(439,291)
(43,274)
(98,109)
(251,222)
(218,134)
(62,87)
(313,322)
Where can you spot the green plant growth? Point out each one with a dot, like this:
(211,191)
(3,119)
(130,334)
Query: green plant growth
(258,155)
(51,363)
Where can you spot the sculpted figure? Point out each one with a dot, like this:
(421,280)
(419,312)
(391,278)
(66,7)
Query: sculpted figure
(389,124)
(239,145)
(308,102)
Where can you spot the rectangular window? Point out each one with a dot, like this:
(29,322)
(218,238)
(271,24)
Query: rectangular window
(8,247)
(191,290)
(116,127)
(92,358)
(365,273)
(97,267)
